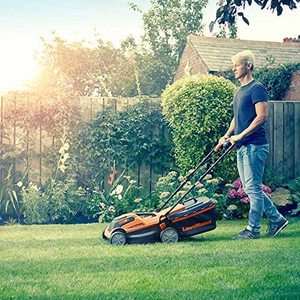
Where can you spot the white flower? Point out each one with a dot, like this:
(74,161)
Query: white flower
(172,174)
(111,208)
(137,200)
(64,157)
(181,178)
(102,205)
(120,197)
(229,185)
(119,189)
(34,187)
(213,181)
(202,191)
(207,177)
(62,168)
(65,147)
(199,185)
(164,195)
(217,195)
(20,184)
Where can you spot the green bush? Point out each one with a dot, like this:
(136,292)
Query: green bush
(199,110)
(59,202)
(294,187)
(211,188)
(35,205)
(129,138)
(276,79)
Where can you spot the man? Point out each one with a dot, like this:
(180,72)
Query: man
(247,131)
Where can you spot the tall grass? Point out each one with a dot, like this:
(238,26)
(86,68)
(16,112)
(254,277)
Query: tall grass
(73,262)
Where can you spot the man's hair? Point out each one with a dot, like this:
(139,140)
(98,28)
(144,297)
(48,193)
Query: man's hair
(245,57)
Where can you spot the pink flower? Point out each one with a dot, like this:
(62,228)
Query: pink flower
(237,183)
(266,189)
(245,200)
(232,194)
(241,193)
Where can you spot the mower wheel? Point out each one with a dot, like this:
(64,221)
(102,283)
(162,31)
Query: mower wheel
(169,235)
(118,238)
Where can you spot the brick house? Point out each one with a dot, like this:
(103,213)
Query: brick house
(206,55)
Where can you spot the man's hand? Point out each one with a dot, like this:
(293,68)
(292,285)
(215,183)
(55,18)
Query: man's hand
(223,139)
(221,142)
(235,138)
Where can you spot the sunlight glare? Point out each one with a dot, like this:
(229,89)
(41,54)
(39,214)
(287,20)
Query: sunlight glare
(17,65)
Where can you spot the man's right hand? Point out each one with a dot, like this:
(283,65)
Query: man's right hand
(221,142)
(223,139)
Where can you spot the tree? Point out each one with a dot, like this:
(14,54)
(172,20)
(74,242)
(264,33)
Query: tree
(227,32)
(89,70)
(166,26)
(229,10)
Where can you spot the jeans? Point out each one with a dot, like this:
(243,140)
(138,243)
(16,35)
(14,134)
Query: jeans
(251,163)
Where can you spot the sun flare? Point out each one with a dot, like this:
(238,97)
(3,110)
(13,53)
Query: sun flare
(17,65)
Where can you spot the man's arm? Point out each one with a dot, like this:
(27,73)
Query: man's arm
(261,109)
(229,132)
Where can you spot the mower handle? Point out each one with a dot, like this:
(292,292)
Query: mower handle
(226,145)
(229,148)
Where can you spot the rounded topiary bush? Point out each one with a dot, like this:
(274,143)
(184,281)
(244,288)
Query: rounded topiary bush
(199,109)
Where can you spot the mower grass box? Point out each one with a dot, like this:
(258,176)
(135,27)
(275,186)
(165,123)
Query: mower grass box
(187,219)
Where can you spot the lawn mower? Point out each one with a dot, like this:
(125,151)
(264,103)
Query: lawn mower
(193,216)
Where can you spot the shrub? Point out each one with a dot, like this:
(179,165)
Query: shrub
(130,138)
(294,187)
(276,77)
(35,205)
(122,197)
(59,202)
(198,110)
(209,188)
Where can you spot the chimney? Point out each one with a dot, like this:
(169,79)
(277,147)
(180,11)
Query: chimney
(292,40)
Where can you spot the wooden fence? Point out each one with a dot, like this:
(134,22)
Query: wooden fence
(283,130)
(32,145)
(284,136)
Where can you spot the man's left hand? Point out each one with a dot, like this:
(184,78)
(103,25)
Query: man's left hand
(235,138)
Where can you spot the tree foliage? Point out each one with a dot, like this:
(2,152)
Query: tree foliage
(227,32)
(89,70)
(166,26)
(275,77)
(229,10)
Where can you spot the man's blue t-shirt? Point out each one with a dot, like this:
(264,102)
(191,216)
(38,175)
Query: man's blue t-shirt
(244,112)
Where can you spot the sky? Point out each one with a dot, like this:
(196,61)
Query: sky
(23,22)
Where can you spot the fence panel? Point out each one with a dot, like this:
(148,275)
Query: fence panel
(297,139)
(284,136)
(283,130)
(37,141)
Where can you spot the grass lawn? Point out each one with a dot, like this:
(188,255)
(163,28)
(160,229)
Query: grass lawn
(72,262)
